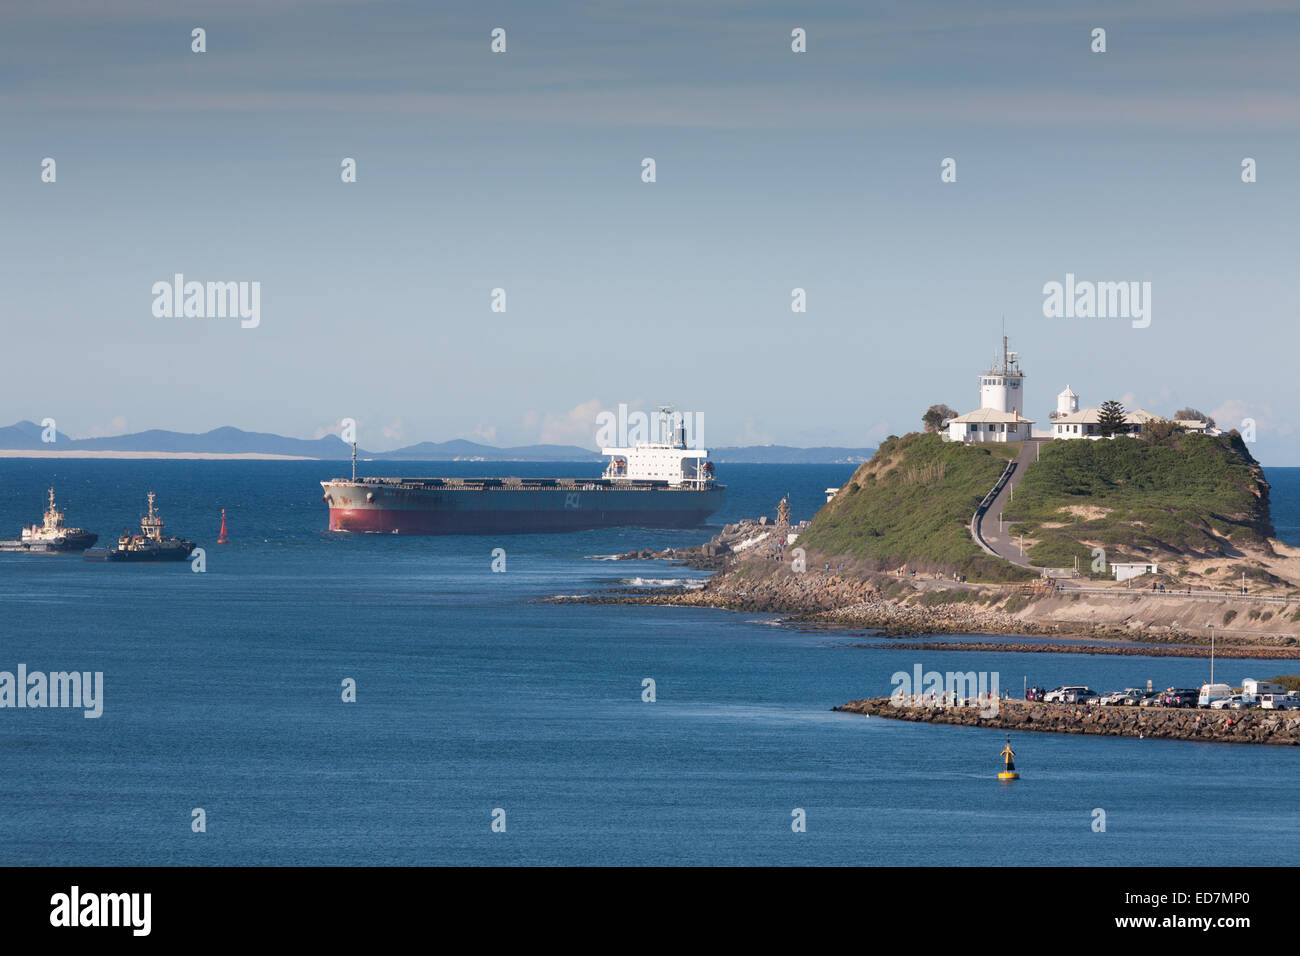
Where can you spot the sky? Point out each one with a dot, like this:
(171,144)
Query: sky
(522,171)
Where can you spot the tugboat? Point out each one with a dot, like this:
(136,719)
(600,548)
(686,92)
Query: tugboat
(148,545)
(51,536)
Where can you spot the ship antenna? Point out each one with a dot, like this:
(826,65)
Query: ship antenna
(354,461)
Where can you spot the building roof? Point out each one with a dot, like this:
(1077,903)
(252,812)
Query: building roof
(1091,416)
(991,415)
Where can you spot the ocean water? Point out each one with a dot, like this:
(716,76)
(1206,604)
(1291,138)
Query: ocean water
(223,692)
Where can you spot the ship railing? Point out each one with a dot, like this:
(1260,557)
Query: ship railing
(531,484)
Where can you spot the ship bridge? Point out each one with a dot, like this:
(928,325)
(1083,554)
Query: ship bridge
(658,461)
(665,460)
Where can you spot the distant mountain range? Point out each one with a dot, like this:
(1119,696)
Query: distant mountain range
(26,436)
(787,455)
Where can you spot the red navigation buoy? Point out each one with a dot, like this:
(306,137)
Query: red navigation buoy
(221,538)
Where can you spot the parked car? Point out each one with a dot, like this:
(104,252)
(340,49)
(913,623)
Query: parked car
(1235,702)
(1128,697)
(1278,702)
(1073,695)
(1181,697)
(1154,698)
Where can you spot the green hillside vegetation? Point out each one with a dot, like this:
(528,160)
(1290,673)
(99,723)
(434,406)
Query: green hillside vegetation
(912,504)
(1169,493)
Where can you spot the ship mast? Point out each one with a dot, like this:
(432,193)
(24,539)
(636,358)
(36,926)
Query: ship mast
(152,524)
(53,518)
(354,461)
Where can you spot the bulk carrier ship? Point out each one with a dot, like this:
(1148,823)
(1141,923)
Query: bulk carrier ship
(659,484)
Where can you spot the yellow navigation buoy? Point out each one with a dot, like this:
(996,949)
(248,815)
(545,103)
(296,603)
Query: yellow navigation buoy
(1009,756)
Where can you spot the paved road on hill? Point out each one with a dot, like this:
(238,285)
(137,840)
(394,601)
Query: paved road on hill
(1001,541)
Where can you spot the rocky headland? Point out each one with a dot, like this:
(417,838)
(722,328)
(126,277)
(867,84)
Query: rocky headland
(893,552)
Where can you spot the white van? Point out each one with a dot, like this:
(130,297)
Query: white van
(1212,692)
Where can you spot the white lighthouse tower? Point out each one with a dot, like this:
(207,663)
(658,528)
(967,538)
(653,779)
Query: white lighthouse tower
(1067,403)
(1002,400)
(1002,386)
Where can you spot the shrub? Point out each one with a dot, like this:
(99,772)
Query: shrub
(1182,495)
(914,505)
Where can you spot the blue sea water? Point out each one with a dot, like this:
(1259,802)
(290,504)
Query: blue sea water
(223,691)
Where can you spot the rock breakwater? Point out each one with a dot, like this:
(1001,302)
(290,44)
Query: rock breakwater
(1206,726)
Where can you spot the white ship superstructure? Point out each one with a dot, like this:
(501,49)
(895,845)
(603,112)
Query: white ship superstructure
(667,460)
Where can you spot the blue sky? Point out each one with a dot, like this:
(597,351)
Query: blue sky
(521,171)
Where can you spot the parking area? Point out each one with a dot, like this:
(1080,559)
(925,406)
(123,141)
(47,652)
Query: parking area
(1252,694)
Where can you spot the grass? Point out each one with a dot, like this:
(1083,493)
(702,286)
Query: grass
(1014,603)
(1176,494)
(912,504)
(949,596)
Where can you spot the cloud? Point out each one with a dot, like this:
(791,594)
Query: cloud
(752,434)
(577,426)
(878,431)
(117,426)
(1233,412)
(485,433)
(393,430)
(738,107)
